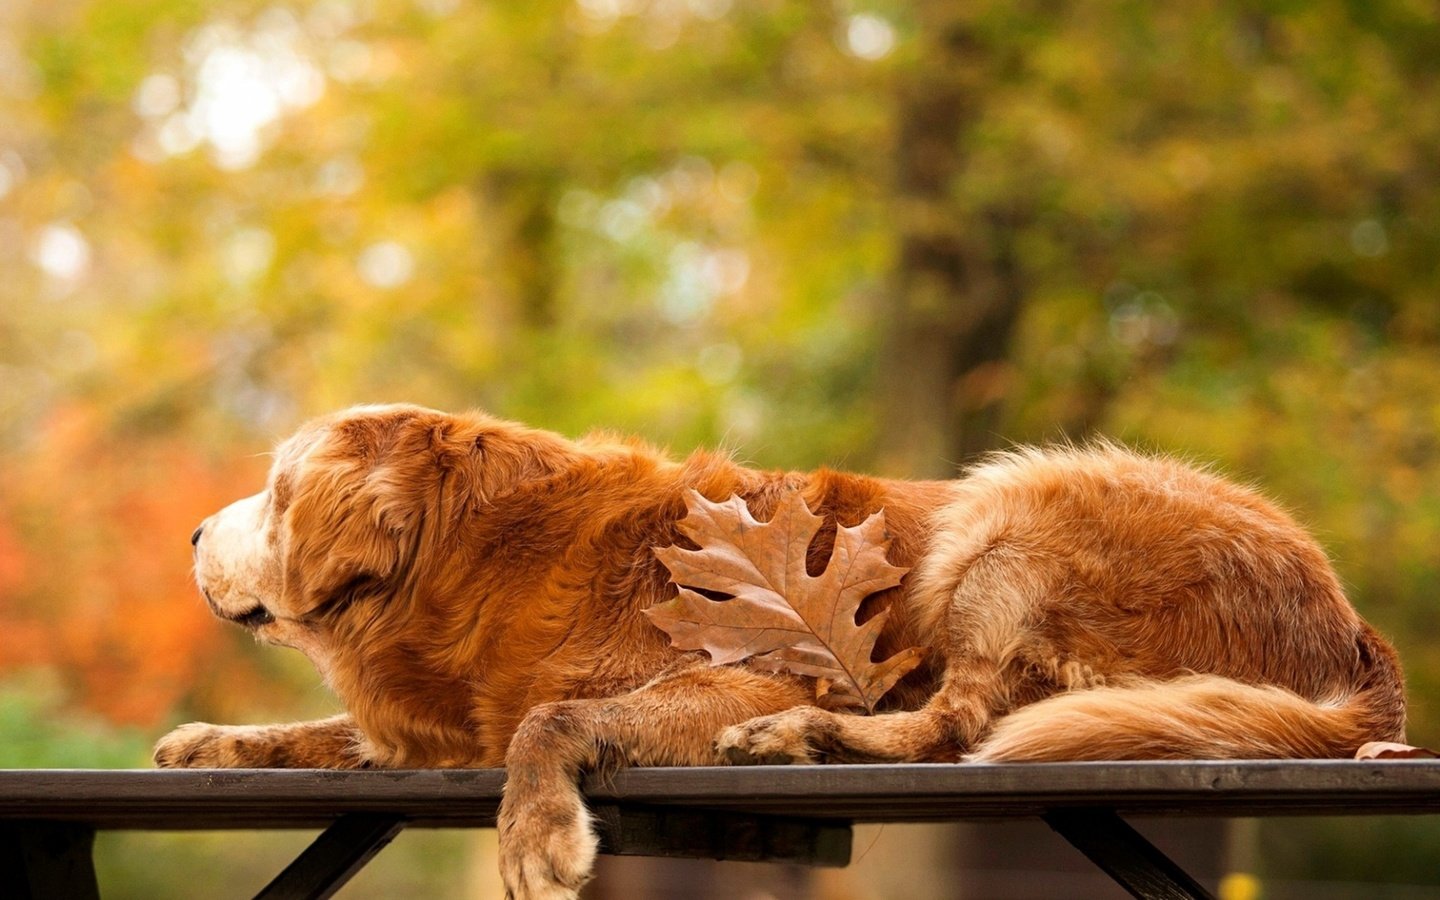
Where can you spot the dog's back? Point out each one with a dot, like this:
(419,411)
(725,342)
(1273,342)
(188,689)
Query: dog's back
(1155,611)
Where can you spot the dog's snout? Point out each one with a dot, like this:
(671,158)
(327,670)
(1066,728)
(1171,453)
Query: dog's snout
(195,536)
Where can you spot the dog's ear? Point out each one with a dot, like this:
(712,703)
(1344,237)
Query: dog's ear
(358,505)
(488,459)
(385,483)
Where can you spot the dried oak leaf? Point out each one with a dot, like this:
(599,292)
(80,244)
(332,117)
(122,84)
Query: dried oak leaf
(1391,750)
(777,614)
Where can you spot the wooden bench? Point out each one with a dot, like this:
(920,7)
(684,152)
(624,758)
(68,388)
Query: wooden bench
(48,818)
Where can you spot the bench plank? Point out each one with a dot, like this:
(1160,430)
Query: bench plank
(782,813)
(180,799)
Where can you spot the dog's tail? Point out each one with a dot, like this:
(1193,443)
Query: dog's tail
(1207,717)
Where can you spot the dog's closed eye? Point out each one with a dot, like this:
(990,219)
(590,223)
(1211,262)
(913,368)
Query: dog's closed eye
(255,617)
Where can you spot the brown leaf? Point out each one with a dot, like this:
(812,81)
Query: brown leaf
(778,615)
(1390,750)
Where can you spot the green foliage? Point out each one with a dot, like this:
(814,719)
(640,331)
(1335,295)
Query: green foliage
(37,730)
(238,864)
(1395,850)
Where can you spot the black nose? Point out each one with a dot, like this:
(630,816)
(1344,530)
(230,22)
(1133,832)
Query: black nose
(195,538)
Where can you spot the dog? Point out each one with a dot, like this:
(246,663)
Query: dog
(474,592)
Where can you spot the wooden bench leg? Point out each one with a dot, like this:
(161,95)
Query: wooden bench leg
(47,859)
(333,859)
(1124,854)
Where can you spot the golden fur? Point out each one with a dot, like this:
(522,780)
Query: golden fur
(472,590)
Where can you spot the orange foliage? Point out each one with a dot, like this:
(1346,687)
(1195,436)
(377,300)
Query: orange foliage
(95,564)
(12,560)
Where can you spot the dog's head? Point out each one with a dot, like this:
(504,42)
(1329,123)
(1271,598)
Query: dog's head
(352,502)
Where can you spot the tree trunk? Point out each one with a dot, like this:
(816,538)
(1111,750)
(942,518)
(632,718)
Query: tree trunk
(526,201)
(956,293)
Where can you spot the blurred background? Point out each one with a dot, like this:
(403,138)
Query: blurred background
(869,234)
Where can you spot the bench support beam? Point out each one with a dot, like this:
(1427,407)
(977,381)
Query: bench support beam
(333,859)
(657,831)
(1125,855)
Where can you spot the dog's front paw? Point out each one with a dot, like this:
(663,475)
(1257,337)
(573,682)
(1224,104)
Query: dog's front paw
(547,846)
(793,736)
(201,745)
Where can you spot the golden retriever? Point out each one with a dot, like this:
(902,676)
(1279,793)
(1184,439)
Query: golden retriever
(474,590)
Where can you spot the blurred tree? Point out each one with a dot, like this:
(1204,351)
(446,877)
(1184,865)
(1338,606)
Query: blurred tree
(956,295)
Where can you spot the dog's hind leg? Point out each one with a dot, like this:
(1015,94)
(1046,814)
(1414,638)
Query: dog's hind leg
(989,638)
(952,720)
